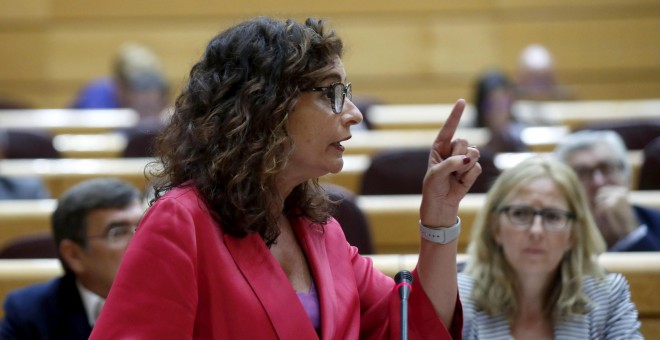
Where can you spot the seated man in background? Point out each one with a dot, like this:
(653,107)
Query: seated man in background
(600,160)
(14,188)
(536,77)
(92,225)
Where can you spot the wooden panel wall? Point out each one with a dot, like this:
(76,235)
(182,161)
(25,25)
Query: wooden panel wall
(427,51)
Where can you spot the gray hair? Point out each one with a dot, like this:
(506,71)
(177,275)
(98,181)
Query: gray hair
(589,138)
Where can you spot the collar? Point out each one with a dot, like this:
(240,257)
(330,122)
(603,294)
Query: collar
(90,301)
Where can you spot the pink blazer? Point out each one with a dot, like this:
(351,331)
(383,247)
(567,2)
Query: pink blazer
(183,278)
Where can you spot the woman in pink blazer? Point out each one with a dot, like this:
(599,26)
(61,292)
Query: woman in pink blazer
(239,243)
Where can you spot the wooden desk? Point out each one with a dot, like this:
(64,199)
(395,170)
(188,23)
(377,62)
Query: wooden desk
(101,145)
(416,116)
(369,142)
(61,121)
(394,218)
(641,269)
(576,114)
(61,174)
(572,114)
(355,166)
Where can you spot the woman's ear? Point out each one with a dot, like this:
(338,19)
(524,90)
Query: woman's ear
(72,253)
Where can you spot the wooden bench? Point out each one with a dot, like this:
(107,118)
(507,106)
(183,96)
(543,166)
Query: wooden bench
(393,218)
(355,165)
(576,114)
(60,174)
(73,121)
(641,269)
(572,114)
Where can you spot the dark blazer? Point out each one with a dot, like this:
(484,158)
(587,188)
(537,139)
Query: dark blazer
(651,242)
(50,310)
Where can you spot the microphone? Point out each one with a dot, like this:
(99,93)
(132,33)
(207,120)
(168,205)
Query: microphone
(404,280)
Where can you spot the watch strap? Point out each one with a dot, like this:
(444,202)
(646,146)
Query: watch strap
(441,235)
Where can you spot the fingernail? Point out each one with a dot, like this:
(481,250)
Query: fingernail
(466,159)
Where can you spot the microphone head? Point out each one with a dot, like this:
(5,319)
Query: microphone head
(403,276)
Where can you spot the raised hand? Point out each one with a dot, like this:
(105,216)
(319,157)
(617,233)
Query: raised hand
(453,168)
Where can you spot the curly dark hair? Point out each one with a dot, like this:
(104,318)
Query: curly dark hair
(227,137)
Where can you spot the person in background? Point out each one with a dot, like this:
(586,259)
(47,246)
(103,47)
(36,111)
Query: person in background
(14,188)
(494,97)
(493,102)
(240,243)
(92,225)
(536,76)
(533,271)
(600,160)
(138,82)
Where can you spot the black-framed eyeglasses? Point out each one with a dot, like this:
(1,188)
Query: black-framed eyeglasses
(606,168)
(117,235)
(522,217)
(337,93)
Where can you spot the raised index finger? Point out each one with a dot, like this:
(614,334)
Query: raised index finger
(442,141)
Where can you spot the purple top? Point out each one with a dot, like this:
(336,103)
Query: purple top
(310,302)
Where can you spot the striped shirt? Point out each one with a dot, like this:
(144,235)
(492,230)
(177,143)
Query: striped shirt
(611,315)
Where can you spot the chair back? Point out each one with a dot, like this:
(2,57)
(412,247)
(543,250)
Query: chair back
(401,172)
(30,143)
(140,142)
(635,134)
(395,172)
(649,173)
(352,219)
(38,246)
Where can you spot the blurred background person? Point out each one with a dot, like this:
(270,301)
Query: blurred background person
(12,187)
(533,270)
(138,82)
(536,77)
(600,160)
(493,100)
(92,225)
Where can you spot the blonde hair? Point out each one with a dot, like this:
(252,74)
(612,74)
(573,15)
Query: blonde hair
(134,58)
(494,290)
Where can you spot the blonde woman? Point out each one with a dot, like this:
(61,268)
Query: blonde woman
(533,270)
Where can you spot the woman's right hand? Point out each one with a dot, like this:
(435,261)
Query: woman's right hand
(453,167)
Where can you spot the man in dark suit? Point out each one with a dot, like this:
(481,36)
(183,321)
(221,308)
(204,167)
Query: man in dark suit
(92,225)
(600,161)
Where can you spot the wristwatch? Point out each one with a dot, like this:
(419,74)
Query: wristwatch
(441,235)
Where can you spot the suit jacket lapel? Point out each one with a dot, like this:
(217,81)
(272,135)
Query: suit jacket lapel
(271,286)
(317,259)
(73,322)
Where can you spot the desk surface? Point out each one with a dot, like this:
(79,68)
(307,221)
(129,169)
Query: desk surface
(572,114)
(69,120)
(393,218)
